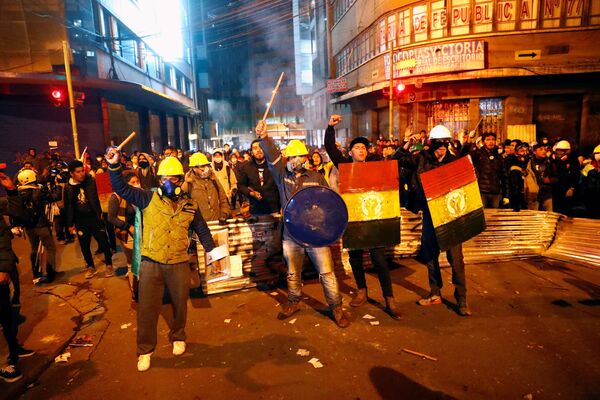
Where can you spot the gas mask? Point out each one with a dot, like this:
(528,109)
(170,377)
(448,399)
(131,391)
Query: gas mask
(296,165)
(144,164)
(169,189)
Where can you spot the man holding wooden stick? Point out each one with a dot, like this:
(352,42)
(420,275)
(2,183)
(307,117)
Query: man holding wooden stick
(167,216)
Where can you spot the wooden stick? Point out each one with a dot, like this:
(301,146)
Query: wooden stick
(127,140)
(416,353)
(273,97)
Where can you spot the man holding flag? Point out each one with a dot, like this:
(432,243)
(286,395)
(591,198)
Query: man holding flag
(358,152)
(452,212)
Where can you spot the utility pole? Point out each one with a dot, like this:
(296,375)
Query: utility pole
(391,95)
(66,54)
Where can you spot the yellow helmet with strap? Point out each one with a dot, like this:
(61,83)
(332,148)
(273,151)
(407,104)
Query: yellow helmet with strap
(295,148)
(596,150)
(26,177)
(170,166)
(198,160)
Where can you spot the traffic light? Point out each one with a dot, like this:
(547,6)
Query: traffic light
(58,97)
(398,89)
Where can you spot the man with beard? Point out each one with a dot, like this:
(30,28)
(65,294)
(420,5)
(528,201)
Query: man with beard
(291,176)
(203,187)
(358,151)
(256,182)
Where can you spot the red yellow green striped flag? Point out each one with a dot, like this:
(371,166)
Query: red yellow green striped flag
(370,191)
(454,202)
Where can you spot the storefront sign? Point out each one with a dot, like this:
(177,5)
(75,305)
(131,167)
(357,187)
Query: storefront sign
(337,85)
(447,57)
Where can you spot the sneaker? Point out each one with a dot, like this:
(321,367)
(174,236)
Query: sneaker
(10,373)
(340,317)
(287,310)
(430,300)
(22,352)
(90,273)
(178,347)
(109,271)
(143,363)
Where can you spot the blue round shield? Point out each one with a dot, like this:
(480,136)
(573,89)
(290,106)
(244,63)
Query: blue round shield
(315,216)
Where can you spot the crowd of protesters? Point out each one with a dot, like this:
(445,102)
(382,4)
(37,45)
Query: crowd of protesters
(51,200)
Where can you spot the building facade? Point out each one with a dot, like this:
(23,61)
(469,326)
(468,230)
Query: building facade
(520,68)
(130,59)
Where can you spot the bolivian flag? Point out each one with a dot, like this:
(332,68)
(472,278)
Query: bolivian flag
(370,191)
(454,202)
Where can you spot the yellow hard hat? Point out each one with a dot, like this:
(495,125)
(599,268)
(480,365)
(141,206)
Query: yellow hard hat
(563,145)
(170,166)
(26,177)
(597,149)
(198,160)
(295,148)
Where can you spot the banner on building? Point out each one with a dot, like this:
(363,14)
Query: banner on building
(437,58)
(371,193)
(454,202)
(338,85)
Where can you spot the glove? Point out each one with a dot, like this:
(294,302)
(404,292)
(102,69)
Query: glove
(505,201)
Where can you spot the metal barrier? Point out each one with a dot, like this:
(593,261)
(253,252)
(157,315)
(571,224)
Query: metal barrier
(577,240)
(508,236)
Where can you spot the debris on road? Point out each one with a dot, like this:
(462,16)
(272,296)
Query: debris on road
(292,321)
(416,353)
(368,316)
(228,320)
(303,352)
(273,293)
(63,358)
(127,325)
(315,363)
(82,341)
(374,323)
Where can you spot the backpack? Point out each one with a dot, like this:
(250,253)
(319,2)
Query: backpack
(30,213)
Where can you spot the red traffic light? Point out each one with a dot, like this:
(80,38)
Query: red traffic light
(57,94)
(400,87)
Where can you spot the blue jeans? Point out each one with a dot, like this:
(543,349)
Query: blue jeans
(321,258)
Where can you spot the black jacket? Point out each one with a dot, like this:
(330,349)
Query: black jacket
(489,167)
(72,196)
(8,259)
(30,212)
(248,178)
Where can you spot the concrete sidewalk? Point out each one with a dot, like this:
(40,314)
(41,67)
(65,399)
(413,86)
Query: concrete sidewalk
(535,332)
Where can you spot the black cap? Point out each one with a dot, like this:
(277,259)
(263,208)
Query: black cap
(538,145)
(360,139)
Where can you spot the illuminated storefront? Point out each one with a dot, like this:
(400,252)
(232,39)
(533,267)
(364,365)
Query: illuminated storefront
(484,65)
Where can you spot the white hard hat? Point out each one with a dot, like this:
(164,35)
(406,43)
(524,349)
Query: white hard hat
(440,132)
(563,145)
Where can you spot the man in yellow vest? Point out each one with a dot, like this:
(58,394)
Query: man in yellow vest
(167,216)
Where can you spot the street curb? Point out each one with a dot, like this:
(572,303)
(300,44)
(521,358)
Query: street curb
(84,322)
